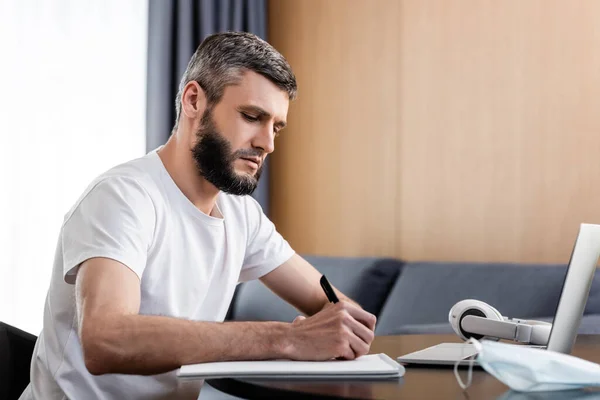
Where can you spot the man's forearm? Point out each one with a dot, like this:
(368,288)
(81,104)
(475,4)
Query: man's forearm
(144,345)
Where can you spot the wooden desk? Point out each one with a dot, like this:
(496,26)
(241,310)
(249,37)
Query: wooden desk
(417,383)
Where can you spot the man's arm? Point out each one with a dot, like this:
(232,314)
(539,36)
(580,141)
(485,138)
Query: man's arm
(297,282)
(116,339)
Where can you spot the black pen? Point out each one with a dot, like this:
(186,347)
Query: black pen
(328,290)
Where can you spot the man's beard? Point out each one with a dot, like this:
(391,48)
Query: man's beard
(214,159)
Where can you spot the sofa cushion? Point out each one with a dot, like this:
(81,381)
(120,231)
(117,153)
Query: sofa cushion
(422,329)
(590,325)
(593,303)
(368,281)
(425,292)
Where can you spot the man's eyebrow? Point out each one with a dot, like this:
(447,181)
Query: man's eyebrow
(262,113)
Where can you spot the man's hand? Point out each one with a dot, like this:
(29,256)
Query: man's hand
(341,330)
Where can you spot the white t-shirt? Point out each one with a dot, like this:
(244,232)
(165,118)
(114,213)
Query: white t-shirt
(189,264)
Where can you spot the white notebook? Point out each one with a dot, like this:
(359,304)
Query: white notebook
(372,366)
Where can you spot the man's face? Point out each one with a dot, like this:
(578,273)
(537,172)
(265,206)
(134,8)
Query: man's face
(235,136)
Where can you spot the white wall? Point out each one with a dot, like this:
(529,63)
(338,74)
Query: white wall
(72,104)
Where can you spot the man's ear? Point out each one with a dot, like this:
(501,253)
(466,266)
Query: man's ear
(193,100)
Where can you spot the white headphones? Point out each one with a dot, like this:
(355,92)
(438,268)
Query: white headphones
(476,319)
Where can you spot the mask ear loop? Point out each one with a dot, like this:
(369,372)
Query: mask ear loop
(463,385)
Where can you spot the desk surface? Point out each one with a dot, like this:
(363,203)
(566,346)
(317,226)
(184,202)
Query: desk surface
(418,382)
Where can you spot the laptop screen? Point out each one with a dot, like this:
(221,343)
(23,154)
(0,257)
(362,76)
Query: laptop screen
(575,290)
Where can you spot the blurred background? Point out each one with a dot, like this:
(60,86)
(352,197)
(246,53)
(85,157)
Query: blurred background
(424,130)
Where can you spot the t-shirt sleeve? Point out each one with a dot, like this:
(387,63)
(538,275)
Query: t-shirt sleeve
(115,219)
(266,248)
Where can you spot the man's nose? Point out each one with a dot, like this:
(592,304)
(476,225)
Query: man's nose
(265,139)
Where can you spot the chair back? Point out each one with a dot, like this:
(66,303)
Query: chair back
(16,350)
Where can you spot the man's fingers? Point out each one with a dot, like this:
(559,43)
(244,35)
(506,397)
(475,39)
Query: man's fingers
(360,330)
(364,317)
(359,347)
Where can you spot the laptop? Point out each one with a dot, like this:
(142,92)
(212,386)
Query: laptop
(574,295)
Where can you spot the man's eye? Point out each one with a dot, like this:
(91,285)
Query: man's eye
(249,117)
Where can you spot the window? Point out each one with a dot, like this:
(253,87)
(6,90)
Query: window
(72,105)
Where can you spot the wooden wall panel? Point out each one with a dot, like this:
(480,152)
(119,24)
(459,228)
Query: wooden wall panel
(334,181)
(500,129)
(438,130)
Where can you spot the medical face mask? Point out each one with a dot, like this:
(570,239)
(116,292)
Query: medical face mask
(527,369)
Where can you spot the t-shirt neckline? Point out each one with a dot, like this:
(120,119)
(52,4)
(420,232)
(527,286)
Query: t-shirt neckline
(186,204)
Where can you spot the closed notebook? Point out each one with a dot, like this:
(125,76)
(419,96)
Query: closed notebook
(372,366)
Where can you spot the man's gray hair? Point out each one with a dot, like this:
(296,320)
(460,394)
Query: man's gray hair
(222,58)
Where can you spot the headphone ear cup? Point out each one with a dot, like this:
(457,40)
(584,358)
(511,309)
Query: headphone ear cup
(455,327)
(471,307)
(496,312)
(462,309)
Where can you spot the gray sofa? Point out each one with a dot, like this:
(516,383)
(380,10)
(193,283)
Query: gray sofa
(415,297)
